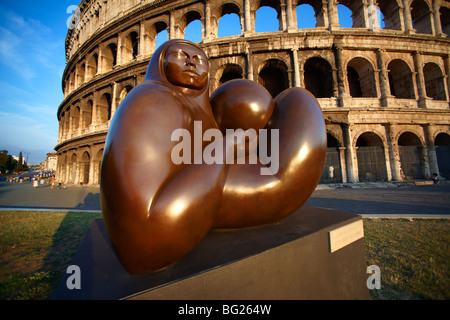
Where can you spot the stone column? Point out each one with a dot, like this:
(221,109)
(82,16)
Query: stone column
(207,24)
(421,89)
(343,164)
(350,155)
(248,26)
(296,67)
(437,20)
(393,152)
(342,91)
(407,18)
(333,17)
(385,90)
(431,150)
(291,22)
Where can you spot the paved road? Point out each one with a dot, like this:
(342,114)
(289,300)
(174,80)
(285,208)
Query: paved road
(368,200)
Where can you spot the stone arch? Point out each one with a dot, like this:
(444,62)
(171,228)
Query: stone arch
(421,16)
(104,108)
(124,91)
(274,4)
(332,172)
(273,76)
(361,78)
(85,162)
(305,6)
(318,77)
(109,55)
(73,164)
(445,20)
(130,46)
(227,9)
(87,114)
(401,79)
(371,157)
(229,72)
(357,12)
(391,13)
(410,150)
(92,65)
(97,166)
(75,118)
(434,81)
(187,19)
(154,29)
(442,144)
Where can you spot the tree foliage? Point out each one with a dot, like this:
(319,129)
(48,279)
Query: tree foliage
(9,164)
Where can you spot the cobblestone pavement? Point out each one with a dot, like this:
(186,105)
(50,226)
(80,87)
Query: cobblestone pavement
(378,199)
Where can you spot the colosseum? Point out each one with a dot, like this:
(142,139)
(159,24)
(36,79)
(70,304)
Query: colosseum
(382,83)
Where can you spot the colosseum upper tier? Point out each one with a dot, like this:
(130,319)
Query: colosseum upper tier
(382,83)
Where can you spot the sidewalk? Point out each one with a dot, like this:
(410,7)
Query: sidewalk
(25,196)
(372,199)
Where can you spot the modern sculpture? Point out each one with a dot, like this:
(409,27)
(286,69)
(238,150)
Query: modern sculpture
(156,208)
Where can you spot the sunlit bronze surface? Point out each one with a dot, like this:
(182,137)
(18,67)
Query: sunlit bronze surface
(156,211)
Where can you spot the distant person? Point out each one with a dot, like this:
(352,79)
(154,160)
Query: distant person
(53,182)
(435,178)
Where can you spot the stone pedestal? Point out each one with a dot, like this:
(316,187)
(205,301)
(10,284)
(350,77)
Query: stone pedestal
(313,254)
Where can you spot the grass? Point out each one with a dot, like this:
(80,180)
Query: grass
(37,247)
(35,250)
(413,257)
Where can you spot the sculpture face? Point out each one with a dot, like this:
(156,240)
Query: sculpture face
(186,66)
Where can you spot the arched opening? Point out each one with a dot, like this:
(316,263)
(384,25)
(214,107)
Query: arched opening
(110,56)
(97,166)
(319,77)
(266,19)
(193,30)
(306,16)
(345,16)
(75,118)
(445,20)
(104,109)
(87,115)
(124,92)
(410,150)
(131,47)
(421,17)
(442,143)
(371,159)
(73,168)
(400,80)
(230,72)
(273,76)
(84,168)
(92,67)
(81,74)
(229,23)
(361,78)
(434,81)
(390,18)
(332,171)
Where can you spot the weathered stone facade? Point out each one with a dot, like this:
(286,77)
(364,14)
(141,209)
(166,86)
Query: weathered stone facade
(384,91)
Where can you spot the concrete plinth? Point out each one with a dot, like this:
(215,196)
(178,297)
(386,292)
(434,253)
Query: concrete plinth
(293,259)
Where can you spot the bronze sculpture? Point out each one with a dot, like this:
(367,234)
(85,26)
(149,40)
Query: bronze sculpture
(156,211)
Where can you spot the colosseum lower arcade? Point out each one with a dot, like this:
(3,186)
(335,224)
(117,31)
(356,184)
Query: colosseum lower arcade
(382,80)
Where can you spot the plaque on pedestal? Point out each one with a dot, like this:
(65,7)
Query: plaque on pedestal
(313,254)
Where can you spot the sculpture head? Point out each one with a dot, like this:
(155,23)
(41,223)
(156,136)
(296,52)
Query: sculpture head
(182,65)
(186,66)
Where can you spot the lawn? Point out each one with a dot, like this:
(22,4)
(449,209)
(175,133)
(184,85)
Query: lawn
(37,247)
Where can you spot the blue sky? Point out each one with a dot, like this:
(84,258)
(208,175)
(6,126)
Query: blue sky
(32,61)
